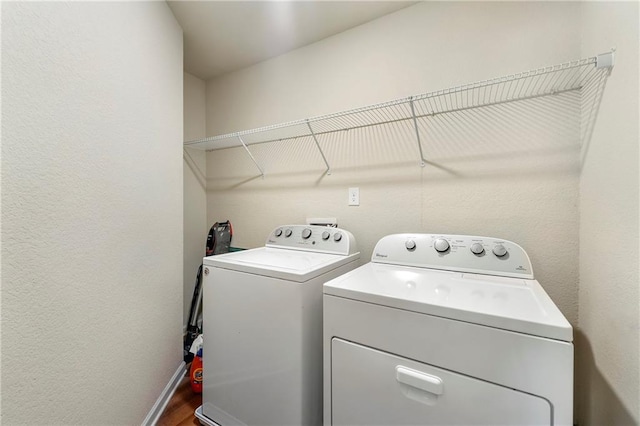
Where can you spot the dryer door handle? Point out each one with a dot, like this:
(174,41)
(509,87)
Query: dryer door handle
(420,380)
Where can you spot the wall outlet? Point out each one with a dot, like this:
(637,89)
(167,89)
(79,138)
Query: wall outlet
(354,196)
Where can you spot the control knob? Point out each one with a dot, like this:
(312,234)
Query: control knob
(337,237)
(410,245)
(499,250)
(306,233)
(326,235)
(287,233)
(476,248)
(278,232)
(441,245)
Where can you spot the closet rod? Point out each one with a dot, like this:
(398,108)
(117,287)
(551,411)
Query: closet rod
(587,74)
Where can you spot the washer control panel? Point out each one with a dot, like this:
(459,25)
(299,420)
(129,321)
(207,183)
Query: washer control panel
(462,253)
(315,238)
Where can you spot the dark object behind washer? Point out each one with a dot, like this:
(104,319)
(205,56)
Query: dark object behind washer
(218,242)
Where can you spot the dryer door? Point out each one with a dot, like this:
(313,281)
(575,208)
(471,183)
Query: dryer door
(370,387)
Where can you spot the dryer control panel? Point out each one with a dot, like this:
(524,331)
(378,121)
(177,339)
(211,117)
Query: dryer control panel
(462,253)
(321,239)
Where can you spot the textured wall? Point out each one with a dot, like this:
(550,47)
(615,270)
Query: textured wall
(509,171)
(194,166)
(91,210)
(609,315)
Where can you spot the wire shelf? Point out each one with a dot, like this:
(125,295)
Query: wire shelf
(585,75)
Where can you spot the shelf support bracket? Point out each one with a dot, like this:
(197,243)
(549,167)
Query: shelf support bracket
(251,155)
(315,139)
(606,60)
(415,125)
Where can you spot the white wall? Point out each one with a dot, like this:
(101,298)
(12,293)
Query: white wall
(91,210)
(609,317)
(512,170)
(194,166)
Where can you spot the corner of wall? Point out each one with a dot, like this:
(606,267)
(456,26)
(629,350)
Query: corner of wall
(607,339)
(195,186)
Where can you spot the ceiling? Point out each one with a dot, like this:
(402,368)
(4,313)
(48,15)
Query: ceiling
(224,36)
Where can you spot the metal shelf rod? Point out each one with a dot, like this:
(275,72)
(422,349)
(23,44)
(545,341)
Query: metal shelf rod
(415,125)
(315,139)
(251,156)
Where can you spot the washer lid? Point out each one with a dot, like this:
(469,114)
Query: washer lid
(513,304)
(292,265)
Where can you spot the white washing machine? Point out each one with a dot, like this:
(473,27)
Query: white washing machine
(445,330)
(262,326)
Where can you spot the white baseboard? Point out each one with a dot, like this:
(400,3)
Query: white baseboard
(164,398)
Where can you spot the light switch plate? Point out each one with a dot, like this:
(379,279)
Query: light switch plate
(354,196)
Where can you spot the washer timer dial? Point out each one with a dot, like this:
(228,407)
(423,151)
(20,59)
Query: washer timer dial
(499,250)
(441,245)
(476,248)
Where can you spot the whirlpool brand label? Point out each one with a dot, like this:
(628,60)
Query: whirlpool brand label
(381,255)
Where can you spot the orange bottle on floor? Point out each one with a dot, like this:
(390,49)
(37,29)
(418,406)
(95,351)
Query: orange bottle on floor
(195,374)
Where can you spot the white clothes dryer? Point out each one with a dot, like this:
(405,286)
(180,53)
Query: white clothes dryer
(445,330)
(262,327)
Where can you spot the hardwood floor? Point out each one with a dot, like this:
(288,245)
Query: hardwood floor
(181,408)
